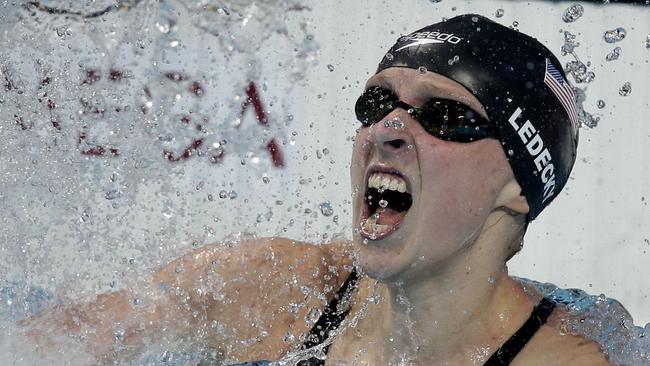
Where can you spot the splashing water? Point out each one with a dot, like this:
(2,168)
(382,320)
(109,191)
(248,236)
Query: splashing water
(576,68)
(600,319)
(614,35)
(573,13)
(586,119)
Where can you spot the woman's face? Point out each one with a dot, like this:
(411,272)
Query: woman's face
(453,186)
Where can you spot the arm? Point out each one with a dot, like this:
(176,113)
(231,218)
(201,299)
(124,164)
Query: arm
(244,302)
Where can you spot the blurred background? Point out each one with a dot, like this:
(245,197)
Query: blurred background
(134,131)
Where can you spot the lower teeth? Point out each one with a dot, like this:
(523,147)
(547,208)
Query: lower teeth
(372,226)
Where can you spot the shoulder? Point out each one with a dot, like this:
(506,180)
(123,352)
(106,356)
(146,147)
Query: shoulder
(553,345)
(269,286)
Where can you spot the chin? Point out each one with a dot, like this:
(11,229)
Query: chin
(382,260)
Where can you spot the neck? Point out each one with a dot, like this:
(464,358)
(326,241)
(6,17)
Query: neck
(458,313)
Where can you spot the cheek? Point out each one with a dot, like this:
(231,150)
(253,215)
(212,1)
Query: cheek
(460,181)
(359,156)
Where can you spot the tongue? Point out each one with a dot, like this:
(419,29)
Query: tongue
(390,217)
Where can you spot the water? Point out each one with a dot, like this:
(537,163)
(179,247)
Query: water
(625,89)
(615,35)
(128,152)
(600,319)
(614,54)
(573,13)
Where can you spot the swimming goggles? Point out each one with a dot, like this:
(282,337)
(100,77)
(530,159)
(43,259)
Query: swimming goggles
(443,118)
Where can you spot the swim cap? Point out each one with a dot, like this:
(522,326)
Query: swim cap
(520,83)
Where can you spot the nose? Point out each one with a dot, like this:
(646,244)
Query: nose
(390,135)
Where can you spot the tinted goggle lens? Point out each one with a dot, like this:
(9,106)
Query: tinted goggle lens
(443,118)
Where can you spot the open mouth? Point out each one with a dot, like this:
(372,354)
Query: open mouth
(386,202)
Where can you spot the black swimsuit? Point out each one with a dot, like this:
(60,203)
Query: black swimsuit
(332,318)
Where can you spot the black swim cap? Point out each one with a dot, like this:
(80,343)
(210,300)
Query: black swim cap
(520,83)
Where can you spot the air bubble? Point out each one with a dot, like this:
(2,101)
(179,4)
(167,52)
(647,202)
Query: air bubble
(223,194)
(390,57)
(383,203)
(499,13)
(625,89)
(422,70)
(600,104)
(615,35)
(330,67)
(232,195)
(573,13)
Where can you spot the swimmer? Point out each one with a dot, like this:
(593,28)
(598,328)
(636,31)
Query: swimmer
(467,132)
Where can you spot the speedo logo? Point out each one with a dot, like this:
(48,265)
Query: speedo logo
(422,38)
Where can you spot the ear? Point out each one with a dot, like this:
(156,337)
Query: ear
(511,198)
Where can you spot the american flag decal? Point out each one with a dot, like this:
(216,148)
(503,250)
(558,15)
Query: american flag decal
(563,91)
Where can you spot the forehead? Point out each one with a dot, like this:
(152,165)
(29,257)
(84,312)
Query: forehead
(415,87)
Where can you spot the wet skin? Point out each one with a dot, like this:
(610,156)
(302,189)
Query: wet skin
(447,259)
(455,186)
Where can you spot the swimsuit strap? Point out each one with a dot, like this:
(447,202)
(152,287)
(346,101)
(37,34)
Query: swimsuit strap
(509,350)
(330,320)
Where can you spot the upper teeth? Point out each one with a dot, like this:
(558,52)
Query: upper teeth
(386,181)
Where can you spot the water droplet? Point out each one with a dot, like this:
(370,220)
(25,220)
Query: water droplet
(330,67)
(579,71)
(615,35)
(600,104)
(326,208)
(119,335)
(383,203)
(573,13)
(453,60)
(625,89)
(289,337)
(614,54)
(112,194)
(395,123)
(499,13)
(163,28)
(313,315)
(422,70)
